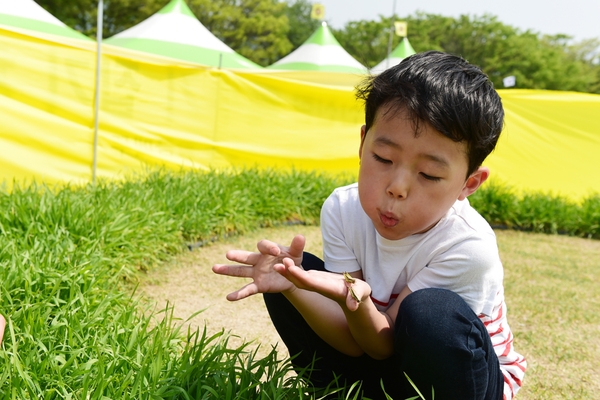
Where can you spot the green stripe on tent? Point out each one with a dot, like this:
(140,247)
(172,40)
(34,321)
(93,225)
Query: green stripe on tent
(305,66)
(41,26)
(403,50)
(185,52)
(322,36)
(177,6)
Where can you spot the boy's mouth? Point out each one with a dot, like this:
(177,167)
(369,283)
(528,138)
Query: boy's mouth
(388,219)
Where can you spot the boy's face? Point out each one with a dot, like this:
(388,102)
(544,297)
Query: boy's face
(407,184)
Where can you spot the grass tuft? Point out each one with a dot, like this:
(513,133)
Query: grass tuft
(538,212)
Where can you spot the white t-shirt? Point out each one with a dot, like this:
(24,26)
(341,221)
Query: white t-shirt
(459,253)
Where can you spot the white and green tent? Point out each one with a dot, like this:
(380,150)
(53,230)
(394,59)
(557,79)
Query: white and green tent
(28,15)
(403,50)
(320,52)
(175,32)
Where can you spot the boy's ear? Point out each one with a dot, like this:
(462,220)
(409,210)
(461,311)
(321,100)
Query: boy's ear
(473,182)
(363,132)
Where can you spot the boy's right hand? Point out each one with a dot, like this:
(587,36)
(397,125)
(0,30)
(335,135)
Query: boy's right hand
(259,267)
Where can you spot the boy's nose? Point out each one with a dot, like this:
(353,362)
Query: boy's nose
(398,187)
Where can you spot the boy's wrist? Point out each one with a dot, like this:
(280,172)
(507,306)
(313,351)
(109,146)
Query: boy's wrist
(290,291)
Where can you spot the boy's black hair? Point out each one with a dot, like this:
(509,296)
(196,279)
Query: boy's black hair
(456,98)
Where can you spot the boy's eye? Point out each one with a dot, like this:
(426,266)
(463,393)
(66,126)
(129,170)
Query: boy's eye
(430,178)
(381,160)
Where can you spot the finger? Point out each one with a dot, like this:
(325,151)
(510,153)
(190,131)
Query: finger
(243,256)
(280,268)
(295,274)
(297,246)
(241,271)
(283,268)
(246,291)
(328,284)
(267,247)
(295,271)
(351,302)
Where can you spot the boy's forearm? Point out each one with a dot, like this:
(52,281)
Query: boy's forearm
(372,330)
(326,318)
(365,330)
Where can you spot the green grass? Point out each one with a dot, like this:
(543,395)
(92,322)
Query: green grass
(538,212)
(551,287)
(69,255)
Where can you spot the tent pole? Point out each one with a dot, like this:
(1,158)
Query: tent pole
(389,50)
(97,98)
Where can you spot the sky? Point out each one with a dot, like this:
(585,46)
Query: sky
(577,18)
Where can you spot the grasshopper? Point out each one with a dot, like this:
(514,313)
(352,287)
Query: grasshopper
(350,280)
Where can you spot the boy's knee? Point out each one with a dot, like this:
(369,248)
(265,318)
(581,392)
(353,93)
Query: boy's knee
(430,314)
(430,303)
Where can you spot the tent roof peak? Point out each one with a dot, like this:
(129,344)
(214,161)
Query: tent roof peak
(177,6)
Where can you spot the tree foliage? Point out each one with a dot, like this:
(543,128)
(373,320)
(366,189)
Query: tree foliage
(300,23)
(537,61)
(367,41)
(267,30)
(256,29)
(118,14)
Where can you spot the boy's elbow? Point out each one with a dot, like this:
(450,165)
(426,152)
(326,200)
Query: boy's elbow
(379,355)
(381,350)
(351,349)
(355,352)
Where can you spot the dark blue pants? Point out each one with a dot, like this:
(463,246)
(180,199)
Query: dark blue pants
(439,342)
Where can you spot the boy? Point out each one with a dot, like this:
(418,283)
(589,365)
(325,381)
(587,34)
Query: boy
(411,282)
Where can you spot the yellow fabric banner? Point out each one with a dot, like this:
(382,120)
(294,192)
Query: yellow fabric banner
(160,112)
(550,143)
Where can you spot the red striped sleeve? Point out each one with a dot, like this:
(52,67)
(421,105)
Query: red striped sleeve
(512,364)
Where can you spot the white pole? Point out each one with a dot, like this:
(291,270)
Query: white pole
(97,99)
(387,60)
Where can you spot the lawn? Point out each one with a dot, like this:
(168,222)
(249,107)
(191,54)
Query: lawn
(551,285)
(70,258)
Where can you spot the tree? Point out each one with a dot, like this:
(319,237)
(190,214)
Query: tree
(256,29)
(588,51)
(118,14)
(366,41)
(537,61)
(300,23)
(540,62)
